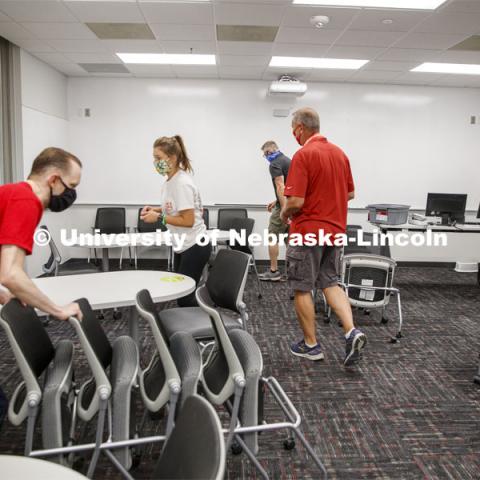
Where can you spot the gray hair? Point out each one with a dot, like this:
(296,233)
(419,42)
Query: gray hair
(307,117)
(269,144)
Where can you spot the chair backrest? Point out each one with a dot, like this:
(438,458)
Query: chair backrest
(196,448)
(368,270)
(31,347)
(239,225)
(170,378)
(354,247)
(144,227)
(98,351)
(55,258)
(227,278)
(226,215)
(206,217)
(110,220)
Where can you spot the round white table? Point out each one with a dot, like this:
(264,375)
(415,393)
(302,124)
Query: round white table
(116,289)
(105,242)
(14,467)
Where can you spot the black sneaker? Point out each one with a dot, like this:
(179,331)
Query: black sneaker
(356,341)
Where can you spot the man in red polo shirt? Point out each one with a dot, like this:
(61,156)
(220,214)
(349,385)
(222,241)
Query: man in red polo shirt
(318,189)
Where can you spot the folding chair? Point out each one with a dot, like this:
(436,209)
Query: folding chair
(40,363)
(114,368)
(368,282)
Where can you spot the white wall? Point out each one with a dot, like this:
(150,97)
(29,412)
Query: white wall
(403,141)
(44,124)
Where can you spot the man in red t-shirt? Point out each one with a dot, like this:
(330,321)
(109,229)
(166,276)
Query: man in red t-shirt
(51,184)
(318,189)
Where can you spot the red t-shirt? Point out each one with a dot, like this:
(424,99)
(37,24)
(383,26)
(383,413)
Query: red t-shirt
(320,173)
(20,212)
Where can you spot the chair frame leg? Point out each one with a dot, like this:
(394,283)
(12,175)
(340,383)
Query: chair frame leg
(31,421)
(102,411)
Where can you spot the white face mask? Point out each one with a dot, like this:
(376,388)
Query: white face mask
(162,167)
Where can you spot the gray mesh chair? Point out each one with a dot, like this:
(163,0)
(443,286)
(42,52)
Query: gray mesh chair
(174,370)
(368,283)
(115,369)
(229,270)
(227,215)
(54,266)
(235,372)
(195,448)
(40,363)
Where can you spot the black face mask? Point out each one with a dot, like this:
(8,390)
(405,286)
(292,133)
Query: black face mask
(59,203)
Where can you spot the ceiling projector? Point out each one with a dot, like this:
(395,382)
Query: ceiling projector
(287,85)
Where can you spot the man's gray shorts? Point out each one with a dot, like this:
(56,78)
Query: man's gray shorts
(312,267)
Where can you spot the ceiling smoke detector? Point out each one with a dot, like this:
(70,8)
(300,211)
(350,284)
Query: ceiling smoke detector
(319,21)
(288,85)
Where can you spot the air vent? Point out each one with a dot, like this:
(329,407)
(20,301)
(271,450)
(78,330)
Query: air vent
(245,33)
(104,67)
(121,31)
(471,44)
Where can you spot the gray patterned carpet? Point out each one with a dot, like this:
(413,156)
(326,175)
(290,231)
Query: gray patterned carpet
(409,411)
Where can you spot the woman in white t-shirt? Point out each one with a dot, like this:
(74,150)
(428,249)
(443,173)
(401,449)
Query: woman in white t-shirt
(181,210)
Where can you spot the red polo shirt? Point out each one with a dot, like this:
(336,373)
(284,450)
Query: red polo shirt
(320,173)
(20,212)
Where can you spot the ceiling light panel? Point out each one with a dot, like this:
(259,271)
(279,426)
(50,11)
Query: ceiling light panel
(167,59)
(449,68)
(397,4)
(308,62)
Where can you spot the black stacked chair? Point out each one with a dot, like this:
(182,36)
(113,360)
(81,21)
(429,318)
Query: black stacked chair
(227,215)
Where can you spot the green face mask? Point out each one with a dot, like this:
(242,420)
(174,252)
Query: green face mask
(162,167)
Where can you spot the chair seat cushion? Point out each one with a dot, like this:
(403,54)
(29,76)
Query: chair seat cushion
(194,321)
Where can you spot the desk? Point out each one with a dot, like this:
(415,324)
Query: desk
(135,240)
(116,289)
(21,468)
(408,227)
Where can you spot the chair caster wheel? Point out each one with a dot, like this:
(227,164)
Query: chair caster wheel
(384,320)
(117,315)
(101,316)
(289,444)
(136,460)
(236,449)
(259,296)
(366,312)
(476,380)
(292,297)
(326,320)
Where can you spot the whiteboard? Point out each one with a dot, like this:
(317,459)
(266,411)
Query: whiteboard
(402,141)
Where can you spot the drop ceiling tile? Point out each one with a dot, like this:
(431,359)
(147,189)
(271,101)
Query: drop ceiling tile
(307,35)
(365,38)
(121,31)
(390,66)
(13,31)
(69,31)
(361,53)
(246,33)
(299,16)
(178,13)
(330,75)
(402,21)
(244,48)
(469,81)
(165,31)
(105,68)
(78,46)
(244,72)
(462,6)
(275,74)
(455,56)
(417,78)
(195,71)
(70,69)
(452,23)
(374,76)
(238,14)
(429,41)
(408,54)
(93,57)
(107,12)
(299,50)
(33,46)
(36,11)
(243,60)
(189,47)
(133,46)
(157,71)
(52,58)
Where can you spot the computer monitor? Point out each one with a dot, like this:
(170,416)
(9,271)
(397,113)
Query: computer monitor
(449,206)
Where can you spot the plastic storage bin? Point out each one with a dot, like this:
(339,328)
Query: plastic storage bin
(388,214)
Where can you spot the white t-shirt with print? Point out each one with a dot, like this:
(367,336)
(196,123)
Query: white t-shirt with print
(180,193)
